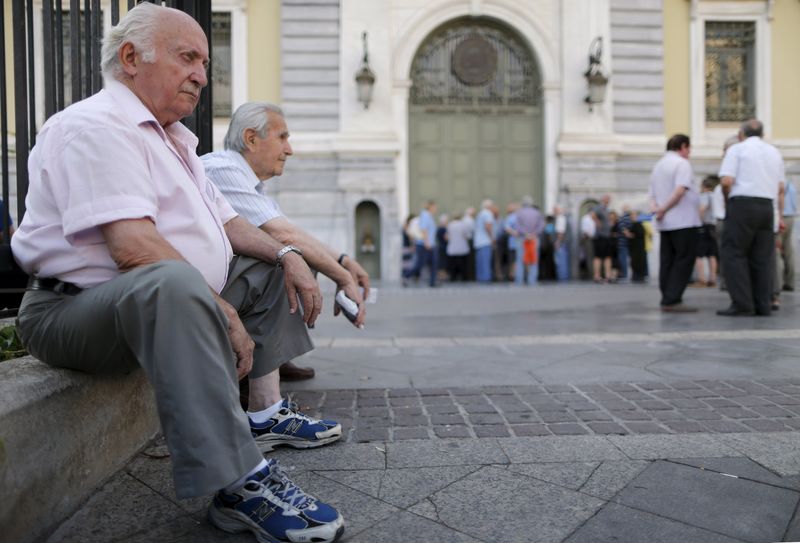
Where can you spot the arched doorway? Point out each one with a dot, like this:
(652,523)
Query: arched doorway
(368,237)
(475,119)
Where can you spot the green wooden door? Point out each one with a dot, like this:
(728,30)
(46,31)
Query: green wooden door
(458,158)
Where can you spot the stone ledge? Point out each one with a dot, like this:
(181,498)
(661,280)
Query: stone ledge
(62,434)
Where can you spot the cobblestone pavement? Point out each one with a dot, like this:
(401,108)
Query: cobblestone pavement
(564,414)
(541,410)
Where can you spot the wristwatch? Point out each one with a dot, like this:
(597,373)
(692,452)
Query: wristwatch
(282,253)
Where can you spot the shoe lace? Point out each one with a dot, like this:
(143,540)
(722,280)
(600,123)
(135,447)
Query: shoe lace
(288,493)
(293,409)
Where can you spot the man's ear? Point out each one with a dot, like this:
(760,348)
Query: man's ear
(249,137)
(127,58)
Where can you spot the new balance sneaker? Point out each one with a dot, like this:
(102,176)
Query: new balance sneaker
(275,510)
(291,427)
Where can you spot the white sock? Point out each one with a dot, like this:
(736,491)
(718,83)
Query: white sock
(263,416)
(240,482)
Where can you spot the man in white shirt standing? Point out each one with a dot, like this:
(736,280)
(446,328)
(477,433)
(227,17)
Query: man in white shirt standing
(752,175)
(674,201)
(588,231)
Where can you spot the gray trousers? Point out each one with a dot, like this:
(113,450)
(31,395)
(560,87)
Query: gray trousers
(787,254)
(163,318)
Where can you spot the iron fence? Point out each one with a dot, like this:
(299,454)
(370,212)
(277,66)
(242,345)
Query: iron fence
(69,55)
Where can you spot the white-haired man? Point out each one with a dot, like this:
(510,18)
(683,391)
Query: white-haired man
(256,149)
(131,253)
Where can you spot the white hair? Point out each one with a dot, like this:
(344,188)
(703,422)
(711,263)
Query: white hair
(486,204)
(137,27)
(254,115)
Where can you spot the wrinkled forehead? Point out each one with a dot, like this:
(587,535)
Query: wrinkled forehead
(177,30)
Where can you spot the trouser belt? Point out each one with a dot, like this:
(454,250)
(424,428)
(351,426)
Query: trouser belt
(54,285)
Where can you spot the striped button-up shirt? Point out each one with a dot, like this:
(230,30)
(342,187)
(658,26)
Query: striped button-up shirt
(235,179)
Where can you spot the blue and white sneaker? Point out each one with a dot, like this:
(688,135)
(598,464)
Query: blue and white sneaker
(275,510)
(291,427)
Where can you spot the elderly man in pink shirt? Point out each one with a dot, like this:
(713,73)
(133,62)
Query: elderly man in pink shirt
(137,260)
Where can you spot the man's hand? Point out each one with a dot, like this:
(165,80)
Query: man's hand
(351,291)
(359,274)
(300,282)
(241,342)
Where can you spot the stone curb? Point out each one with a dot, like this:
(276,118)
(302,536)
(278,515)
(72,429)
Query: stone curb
(62,434)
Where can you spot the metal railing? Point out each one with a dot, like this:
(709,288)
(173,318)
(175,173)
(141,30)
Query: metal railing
(81,23)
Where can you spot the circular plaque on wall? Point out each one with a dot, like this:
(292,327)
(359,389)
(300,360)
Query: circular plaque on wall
(474,60)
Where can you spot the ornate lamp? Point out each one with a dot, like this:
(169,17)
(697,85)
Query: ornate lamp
(365,78)
(595,77)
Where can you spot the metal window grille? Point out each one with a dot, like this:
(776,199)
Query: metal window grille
(474,63)
(730,71)
(221,63)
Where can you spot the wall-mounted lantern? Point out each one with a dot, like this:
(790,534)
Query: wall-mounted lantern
(365,78)
(595,77)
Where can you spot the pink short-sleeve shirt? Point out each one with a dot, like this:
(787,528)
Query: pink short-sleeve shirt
(106,159)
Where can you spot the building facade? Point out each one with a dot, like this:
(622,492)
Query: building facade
(478,99)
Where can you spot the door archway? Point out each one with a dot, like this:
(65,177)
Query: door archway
(475,119)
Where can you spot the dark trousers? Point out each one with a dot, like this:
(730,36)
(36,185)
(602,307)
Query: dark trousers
(457,265)
(748,253)
(425,257)
(678,249)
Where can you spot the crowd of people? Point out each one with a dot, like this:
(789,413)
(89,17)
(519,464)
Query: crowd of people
(732,230)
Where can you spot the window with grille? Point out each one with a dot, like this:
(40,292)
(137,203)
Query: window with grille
(221,63)
(730,71)
(67,43)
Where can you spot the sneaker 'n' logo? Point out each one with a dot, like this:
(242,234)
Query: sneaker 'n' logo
(293,426)
(263,511)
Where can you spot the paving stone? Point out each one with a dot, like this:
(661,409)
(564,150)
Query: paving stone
(792,423)
(558,388)
(614,520)
(437,400)
(392,530)
(527,450)
(652,385)
(121,508)
(373,422)
(741,467)
(371,393)
(618,405)
(497,390)
(645,428)
(587,416)
(550,407)
(684,385)
(776,451)
(785,400)
(621,387)
(653,447)
(156,473)
(567,429)
(445,452)
(371,402)
(557,416)
(636,396)
(403,411)
(334,456)
(701,393)
(400,487)
(736,413)
(700,414)
(752,400)
(402,392)
(532,511)
(685,426)
(404,401)
(793,531)
(735,507)
(653,405)
(508,406)
(363,435)
(668,415)
(470,400)
(572,475)
(720,402)
(451,431)
(185,529)
(366,412)
(410,433)
(486,418)
(732,393)
(520,418)
(443,409)
(772,411)
(466,391)
(611,476)
(603,396)
(443,420)
(479,408)
(669,394)
(433,392)
(522,430)
(491,430)
(582,406)
(528,389)
(566,397)
(763,425)
(632,415)
(411,420)
(605,428)
(687,404)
